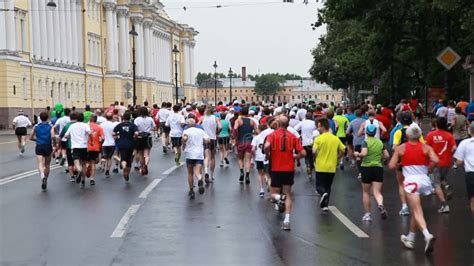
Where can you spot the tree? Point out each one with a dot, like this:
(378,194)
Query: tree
(268,84)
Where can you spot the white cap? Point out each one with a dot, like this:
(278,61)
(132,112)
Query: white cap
(236,102)
(251,112)
(414,131)
(294,108)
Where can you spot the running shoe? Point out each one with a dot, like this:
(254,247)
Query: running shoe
(444,209)
(63,160)
(88,171)
(247,180)
(455,166)
(383,212)
(448,191)
(115,171)
(145,170)
(92,182)
(221,164)
(226,161)
(359,176)
(206,178)
(325,209)
(126,174)
(22,149)
(191,194)
(261,194)
(429,244)
(73,178)
(298,163)
(404,211)
(165,150)
(241,178)
(308,171)
(83,183)
(367,217)
(323,202)
(78,177)
(341,166)
(201,187)
(353,165)
(285,226)
(57,161)
(107,174)
(44,183)
(136,168)
(410,244)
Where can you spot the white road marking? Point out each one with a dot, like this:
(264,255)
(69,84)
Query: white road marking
(20,176)
(356,230)
(8,142)
(167,172)
(122,225)
(149,188)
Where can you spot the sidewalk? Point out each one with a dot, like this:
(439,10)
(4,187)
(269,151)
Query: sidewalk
(7,132)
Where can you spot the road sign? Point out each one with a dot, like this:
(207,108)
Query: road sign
(448,58)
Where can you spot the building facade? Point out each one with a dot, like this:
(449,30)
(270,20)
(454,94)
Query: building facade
(292,91)
(81,52)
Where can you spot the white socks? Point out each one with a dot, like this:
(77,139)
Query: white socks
(287,218)
(426,233)
(277,196)
(404,206)
(411,236)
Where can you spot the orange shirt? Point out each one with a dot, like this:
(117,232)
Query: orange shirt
(462,105)
(97,136)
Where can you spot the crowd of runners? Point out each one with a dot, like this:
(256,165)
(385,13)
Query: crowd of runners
(275,139)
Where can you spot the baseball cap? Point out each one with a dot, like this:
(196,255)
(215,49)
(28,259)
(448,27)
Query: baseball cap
(236,102)
(371,130)
(251,112)
(414,131)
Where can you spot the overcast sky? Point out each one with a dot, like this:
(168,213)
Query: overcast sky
(263,35)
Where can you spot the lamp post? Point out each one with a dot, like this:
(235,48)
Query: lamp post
(51,5)
(176,52)
(302,93)
(134,34)
(215,83)
(230,91)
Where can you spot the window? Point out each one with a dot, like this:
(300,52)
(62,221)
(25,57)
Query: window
(23,34)
(327,97)
(299,97)
(46,91)
(284,97)
(278,97)
(293,97)
(94,49)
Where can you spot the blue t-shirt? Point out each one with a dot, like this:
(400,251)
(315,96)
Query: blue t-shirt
(350,117)
(470,111)
(126,135)
(43,133)
(332,126)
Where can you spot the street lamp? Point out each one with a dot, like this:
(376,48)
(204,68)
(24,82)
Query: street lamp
(230,76)
(302,93)
(51,5)
(176,52)
(134,34)
(215,83)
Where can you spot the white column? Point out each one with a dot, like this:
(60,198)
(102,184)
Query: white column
(146,47)
(162,59)
(50,32)
(10,26)
(34,42)
(115,40)
(127,42)
(139,47)
(155,58)
(62,31)
(43,29)
(56,35)
(123,39)
(69,32)
(110,36)
(3,40)
(75,33)
(80,38)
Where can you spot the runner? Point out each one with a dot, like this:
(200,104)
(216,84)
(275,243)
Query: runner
(342,123)
(262,164)
(125,134)
(373,152)
(308,132)
(164,130)
(144,141)
(20,123)
(108,147)
(244,128)
(415,158)
(353,128)
(43,135)
(94,145)
(212,125)
(87,114)
(465,156)
(224,140)
(372,121)
(280,148)
(176,123)
(327,149)
(154,112)
(459,125)
(193,144)
(66,143)
(58,128)
(79,133)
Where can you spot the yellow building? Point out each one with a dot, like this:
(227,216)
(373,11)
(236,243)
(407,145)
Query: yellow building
(80,52)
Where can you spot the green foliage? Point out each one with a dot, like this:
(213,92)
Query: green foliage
(202,77)
(268,84)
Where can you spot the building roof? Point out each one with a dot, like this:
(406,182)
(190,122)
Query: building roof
(308,85)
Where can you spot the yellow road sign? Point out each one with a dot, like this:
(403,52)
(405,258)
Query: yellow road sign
(448,58)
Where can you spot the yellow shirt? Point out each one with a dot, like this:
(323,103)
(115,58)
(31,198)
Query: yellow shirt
(327,146)
(397,137)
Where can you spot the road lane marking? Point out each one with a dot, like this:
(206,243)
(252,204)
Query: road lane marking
(356,230)
(167,172)
(8,142)
(149,188)
(20,176)
(122,225)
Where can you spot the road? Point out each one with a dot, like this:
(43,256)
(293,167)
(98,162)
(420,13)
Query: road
(151,221)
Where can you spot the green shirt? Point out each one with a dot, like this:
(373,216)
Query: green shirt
(87,116)
(374,152)
(342,124)
(66,127)
(225,129)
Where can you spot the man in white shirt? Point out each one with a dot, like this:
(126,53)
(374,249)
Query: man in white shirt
(20,123)
(257,146)
(164,130)
(308,131)
(58,128)
(301,113)
(79,133)
(193,143)
(100,118)
(211,125)
(108,147)
(465,155)
(176,123)
(144,142)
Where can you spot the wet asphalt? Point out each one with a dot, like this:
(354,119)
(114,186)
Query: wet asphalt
(227,225)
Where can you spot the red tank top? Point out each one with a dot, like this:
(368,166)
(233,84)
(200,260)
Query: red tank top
(414,155)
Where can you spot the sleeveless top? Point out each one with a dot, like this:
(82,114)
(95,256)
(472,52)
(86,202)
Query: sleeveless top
(374,122)
(459,129)
(43,133)
(414,161)
(209,124)
(245,131)
(225,129)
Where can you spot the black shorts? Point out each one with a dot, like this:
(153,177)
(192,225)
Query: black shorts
(262,166)
(164,129)
(211,145)
(44,150)
(358,148)
(280,179)
(372,174)
(70,160)
(108,151)
(79,154)
(470,184)
(343,140)
(64,145)
(143,143)
(126,155)
(93,155)
(350,139)
(20,131)
(176,142)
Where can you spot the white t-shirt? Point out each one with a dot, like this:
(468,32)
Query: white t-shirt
(175,121)
(301,114)
(465,152)
(294,132)
(258,142)
(277,110)
(122,109)
(442,112)
(209,123)
(100,120)
(374,122)
(307,127)
(144,124)
(294,122)
(162,115)
(21,121)
(194,149)
(62,122)
(108,127)
(451,113)
(79,133)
